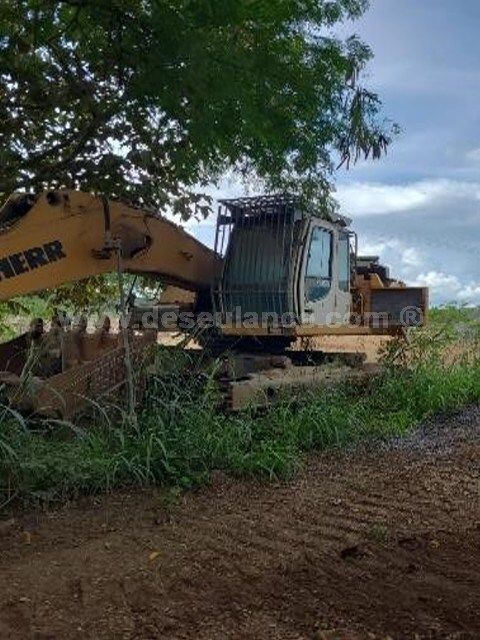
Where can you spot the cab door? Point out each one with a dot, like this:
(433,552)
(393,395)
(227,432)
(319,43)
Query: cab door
(325,276)
(343,266)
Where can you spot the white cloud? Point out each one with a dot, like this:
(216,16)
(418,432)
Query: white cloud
(361,199)
(438,280)
(379,248)
(403,257)
(474,155)
(470,294)
(411,258)
(449,288)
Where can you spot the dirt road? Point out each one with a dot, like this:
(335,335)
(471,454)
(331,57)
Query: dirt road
(380,543)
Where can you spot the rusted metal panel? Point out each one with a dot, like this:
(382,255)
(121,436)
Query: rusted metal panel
(265,388)
(405,306)
(300,331)
(65,394)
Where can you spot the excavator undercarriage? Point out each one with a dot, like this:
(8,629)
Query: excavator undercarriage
(278,278)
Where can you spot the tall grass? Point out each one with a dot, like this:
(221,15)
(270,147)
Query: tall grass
(181,437)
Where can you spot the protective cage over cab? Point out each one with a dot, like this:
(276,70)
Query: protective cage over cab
(288,271)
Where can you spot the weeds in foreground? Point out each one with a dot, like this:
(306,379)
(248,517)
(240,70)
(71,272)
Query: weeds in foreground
(181,437)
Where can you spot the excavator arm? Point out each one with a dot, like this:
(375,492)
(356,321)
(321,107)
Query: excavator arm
(65,236)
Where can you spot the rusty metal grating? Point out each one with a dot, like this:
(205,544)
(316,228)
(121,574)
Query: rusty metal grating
(68,392)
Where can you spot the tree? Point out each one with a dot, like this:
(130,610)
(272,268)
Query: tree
(150,100)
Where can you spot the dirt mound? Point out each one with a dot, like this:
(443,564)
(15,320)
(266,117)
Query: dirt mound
(367,544)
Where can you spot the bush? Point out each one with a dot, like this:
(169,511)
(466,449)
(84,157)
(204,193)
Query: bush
(181,437)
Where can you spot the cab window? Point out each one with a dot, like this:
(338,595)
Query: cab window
(318,279)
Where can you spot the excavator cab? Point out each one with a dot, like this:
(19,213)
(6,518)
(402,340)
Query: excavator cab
(288,271)
(283,262)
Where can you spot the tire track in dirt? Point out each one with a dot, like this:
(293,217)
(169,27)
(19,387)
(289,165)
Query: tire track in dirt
(373,543)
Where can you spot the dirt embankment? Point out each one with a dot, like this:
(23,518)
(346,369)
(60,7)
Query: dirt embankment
(380,543)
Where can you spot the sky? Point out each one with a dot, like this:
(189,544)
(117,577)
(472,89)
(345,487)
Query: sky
(419,208)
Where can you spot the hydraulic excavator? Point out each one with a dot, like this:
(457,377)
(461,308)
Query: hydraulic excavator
(278,276)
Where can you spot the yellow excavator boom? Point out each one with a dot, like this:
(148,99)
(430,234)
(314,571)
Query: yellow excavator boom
(64,236)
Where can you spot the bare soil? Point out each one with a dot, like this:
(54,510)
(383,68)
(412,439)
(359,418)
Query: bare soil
(376,543)
(371,346)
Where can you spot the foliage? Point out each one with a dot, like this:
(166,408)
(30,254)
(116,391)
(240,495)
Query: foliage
(181,437)
(92,296)
(454,317)
(150,99)
(16,314)
(94,293)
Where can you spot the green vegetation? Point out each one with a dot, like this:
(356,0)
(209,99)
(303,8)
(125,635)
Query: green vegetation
(148,99)
(156,101)
(181,438)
